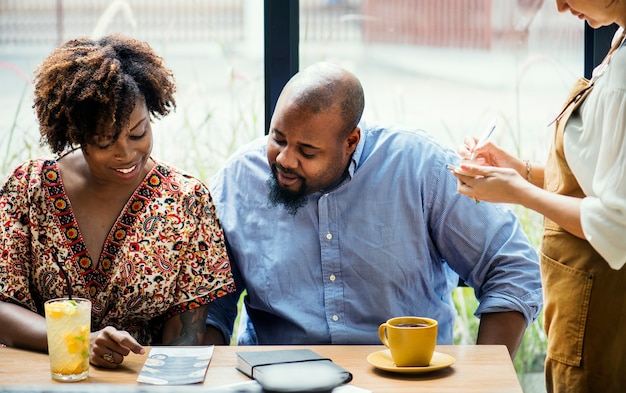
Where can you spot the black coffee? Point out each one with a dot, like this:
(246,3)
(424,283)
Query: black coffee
(412,325)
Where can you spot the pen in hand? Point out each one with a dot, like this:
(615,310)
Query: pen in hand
(483,139)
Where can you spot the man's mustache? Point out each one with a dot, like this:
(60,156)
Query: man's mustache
(285,170)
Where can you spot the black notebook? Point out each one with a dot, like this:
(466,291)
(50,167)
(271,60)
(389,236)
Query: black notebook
(292,370)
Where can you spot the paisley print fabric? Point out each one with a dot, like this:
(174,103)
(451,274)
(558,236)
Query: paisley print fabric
(164,255)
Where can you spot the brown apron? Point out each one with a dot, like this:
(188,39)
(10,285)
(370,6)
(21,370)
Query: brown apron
(584,299)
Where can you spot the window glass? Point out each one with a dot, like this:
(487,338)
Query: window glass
(214,47)
(451,66)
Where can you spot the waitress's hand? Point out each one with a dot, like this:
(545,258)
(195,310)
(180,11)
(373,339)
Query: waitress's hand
(488,154)
(493,175)
(490,183)
(109,346)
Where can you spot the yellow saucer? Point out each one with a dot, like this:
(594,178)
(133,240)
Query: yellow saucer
(382,360)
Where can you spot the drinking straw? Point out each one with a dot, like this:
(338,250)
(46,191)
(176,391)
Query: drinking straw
(55,253)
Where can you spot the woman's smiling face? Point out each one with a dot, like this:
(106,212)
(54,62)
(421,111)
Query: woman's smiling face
(123,160)
(597,13)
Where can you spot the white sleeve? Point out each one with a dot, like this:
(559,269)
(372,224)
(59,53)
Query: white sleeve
(603,212)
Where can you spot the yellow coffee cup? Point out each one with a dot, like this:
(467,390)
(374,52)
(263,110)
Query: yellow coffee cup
(411,340)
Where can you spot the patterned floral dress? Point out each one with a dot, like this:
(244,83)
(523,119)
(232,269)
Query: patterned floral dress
(164,255)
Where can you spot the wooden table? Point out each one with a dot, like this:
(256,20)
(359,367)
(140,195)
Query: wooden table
(478,368)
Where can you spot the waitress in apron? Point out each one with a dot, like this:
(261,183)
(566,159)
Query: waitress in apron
(581,192)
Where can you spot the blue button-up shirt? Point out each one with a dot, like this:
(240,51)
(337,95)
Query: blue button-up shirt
(391,239)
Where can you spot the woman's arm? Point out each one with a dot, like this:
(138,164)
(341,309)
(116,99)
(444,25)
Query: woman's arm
(497,176)
(506,185)
(22,328)
(533,173)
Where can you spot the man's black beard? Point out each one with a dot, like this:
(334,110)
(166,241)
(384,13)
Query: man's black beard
(291,201)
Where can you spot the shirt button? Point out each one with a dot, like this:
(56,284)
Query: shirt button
(329,236)
(335,318)
(332,277)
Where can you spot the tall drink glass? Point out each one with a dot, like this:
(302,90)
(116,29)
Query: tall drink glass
(68,322)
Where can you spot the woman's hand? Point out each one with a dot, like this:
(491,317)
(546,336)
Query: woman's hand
(490,183)
(109,346)
(489,154)
(493,175)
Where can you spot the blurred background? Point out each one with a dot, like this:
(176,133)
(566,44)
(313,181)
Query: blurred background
(446,66)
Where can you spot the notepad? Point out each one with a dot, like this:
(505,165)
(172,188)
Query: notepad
(176,365)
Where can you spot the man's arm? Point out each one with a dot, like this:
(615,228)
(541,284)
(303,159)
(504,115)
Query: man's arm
(221,318)
(502,328)
(186,328)
(213,336)
(224,310)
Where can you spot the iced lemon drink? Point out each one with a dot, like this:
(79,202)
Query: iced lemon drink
(68,323)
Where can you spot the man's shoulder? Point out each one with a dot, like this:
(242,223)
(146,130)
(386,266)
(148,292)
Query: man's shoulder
(249,151)
(247,162)
(396,133)
(401,140)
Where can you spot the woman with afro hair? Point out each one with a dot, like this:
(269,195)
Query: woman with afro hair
(103,219)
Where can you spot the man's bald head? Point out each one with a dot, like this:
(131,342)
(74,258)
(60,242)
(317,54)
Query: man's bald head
(323,86)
